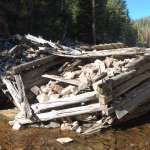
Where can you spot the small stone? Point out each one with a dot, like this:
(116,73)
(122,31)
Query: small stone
(108,62)
(11,123)
(16,126)
(53,125)
(35,90)
(45,89)
(0,147)
(56,88)
(75,125)
(69,90)
(66,126)
(79,129)
(42,98)
(64,140)
(90,118)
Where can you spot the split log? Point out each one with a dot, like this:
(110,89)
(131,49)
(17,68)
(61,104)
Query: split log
(130,84)
(26,109)
(32,64)
(56,114)
(133,99)
(16,90)
(61,79)
(137,63)
(125,76)
(139,111)
(81,98)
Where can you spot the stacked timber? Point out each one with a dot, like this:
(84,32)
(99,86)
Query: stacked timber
(70,84)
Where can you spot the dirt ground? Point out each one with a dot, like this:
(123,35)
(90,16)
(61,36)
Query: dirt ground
(131,136)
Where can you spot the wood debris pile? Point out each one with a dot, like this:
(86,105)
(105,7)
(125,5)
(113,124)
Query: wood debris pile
(79,87)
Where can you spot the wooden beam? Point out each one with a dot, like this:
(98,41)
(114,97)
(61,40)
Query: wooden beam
(56,114)
(61,79)
(29,65)
(85,97)
(133,99)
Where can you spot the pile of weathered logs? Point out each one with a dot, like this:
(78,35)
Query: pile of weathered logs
(92,88)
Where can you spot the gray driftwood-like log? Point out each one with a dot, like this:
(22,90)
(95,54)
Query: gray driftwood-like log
(61,79)
(26,109)
(13,92)
(133,99)
(85,97)
(139,111)
(56,114)
(16,90)
(137,63)
(108,46)
(113,52)
(130,84)
(33,64)
(125,76)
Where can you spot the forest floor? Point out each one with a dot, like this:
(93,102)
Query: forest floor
(135,135)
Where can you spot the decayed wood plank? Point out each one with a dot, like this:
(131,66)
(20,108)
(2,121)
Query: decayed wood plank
(13,92)
(34,63)
(137,63)
(108,46)
(85,97)
(130,84)
(16,90)
(139,111)
(125,76)
(133,99)
(61,79)
(96,54)
(26,109)
(55,114)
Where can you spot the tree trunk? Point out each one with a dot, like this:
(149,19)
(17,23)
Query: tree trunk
(93,22)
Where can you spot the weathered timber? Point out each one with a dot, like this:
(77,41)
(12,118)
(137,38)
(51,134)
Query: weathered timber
(61,79)
(85,97)
(33,64)
(139,111)
(99,125)
(125,76)
(13,92)
(16,90)
(56,114)
(130,84)
(133,99)
(99,77)
(26,109)
(137,63)
(97,54)
(108,46)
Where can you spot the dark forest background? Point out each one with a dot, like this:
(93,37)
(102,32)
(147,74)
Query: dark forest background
(89,21)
